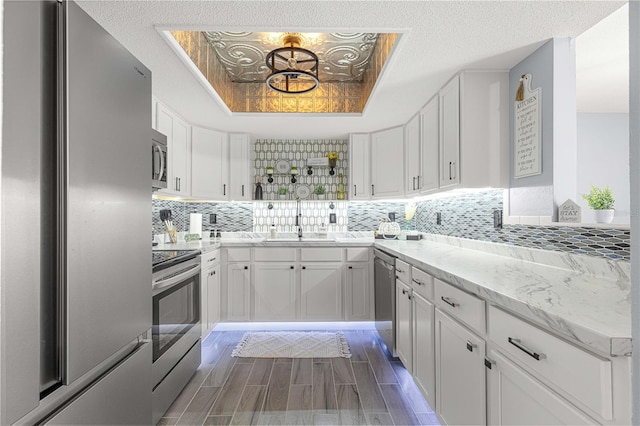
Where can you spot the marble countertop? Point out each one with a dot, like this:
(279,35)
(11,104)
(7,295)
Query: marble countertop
(247,239)
(585,299)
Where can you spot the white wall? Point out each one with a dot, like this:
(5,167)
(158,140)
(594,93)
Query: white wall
(603,160)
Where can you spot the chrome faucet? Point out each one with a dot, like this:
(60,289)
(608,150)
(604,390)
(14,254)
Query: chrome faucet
(299,218)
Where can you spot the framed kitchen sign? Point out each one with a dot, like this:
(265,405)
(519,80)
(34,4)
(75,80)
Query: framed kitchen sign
(528,126)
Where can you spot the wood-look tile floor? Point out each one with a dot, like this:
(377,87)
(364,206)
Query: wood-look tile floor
(370,388)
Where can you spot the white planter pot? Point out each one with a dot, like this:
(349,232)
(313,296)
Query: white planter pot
(283,197)
(320,196)
(604,216)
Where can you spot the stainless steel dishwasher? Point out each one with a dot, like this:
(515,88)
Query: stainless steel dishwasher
(385,297)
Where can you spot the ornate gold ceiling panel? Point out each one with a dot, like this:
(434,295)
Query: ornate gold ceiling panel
(234,65)
(343,57)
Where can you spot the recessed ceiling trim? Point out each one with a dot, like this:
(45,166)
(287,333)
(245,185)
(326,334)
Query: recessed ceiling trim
(232,108)
(173,43)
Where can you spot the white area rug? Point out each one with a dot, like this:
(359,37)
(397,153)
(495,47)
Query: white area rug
(292,344)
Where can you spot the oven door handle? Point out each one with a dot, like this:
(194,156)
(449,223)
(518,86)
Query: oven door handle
(161,157)
(172,280)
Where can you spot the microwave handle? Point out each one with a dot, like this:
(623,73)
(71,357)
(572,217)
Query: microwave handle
(161,173)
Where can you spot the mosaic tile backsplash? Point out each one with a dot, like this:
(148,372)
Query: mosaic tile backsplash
(464,216)
(267,152)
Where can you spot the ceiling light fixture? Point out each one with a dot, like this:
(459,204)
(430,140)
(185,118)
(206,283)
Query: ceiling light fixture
(294,70)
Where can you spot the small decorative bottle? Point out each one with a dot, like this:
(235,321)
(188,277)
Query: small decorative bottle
(341,194)
(258,194)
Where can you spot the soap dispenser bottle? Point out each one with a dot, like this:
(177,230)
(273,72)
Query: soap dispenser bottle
(273,230)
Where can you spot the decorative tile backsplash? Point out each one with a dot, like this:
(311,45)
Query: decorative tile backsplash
(366,215)
(314,213)
(230,217)
(267,152)
(464,216)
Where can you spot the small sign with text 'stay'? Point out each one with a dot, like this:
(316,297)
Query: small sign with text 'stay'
(570,212)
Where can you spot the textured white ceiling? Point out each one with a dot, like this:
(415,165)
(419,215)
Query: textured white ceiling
(439,38)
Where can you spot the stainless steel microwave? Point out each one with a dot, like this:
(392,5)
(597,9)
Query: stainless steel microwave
(159,156)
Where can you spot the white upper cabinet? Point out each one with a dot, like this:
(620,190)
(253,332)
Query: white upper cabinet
(484,129)
(412,164)
(359,171)
(178,146)
(429,141)
(240,186)
(450,133)
(209,162)
(387,163)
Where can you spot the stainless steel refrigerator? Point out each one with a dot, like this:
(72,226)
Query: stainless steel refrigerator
(76,259)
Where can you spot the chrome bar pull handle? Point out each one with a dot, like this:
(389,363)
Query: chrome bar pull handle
(224,189)
(450,170)
(414,183)
(372,190)
(355,190)
(243,190)
(449,302)
(518,344)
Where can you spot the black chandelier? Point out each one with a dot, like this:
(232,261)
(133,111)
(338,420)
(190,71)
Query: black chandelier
(294,70)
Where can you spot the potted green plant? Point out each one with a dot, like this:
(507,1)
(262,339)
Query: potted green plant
(282,192)
(601,202)
(320,191)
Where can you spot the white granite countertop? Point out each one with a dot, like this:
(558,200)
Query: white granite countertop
(583,298)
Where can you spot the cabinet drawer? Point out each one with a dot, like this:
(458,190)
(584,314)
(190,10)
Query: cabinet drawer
(238,254)
(358,254)
(584,376)
(463,306)
(403,271)
(332,254)
(274,254)
(422,283)
(210,259)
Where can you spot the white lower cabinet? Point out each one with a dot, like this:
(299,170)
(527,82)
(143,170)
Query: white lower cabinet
(238,288)
(358,292)
(424,362)
(516,398)
(404,329)
(209,291)
(321,291)
(274,290)
(460,373)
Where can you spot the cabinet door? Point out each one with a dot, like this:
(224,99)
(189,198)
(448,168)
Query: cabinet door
(424,362)
(321,291)
(387,163)
(412,155)
(429,141)
(209,158)
(274,287)
(213,296)
(179,154)
(516,398)
(238,292)
(358,289)
(240,186)
(204,303)
(404,329)
(450,133)
(177,133)
(460,375)
(359,162)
